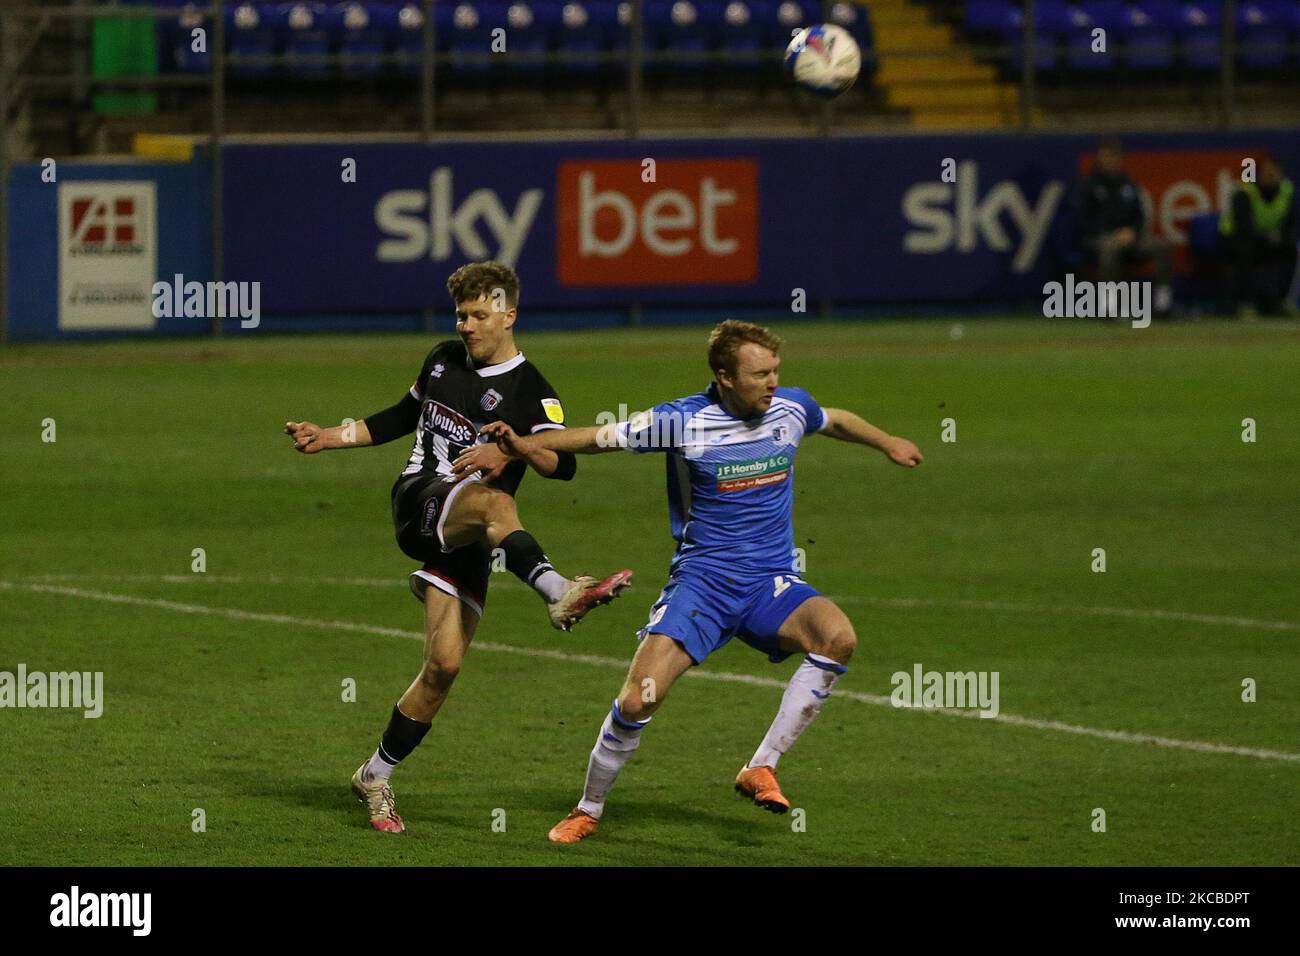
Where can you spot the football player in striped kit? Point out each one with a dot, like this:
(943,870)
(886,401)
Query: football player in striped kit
(453,504)
(730,462)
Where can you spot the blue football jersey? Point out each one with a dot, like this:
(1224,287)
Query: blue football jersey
(730,480)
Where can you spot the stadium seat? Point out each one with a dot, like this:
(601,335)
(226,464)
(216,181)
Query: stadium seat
(361,30)
(1045,40)
(989,16)
(177,38)
(251,31)
(674,27)
(1263,31)
(407,38)
(303,32)
(1200,28)
(528,31)
(742,36)
(788,17)
(471,34)
(1148,31)
(582,33)
(1079,51)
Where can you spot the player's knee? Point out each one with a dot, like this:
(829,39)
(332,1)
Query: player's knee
(635,703)
(439,673)
(839,642)
(498,507)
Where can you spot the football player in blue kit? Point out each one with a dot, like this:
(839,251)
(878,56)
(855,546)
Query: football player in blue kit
(730,461)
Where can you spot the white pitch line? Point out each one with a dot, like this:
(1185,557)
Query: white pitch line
(1135,613)
(1150,614)
(1124,736)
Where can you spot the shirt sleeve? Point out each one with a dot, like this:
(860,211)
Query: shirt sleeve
(815,417)
(545,410)
(661,428)
(548,413)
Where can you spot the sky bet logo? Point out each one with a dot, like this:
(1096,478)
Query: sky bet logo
(435,226)
(696,224)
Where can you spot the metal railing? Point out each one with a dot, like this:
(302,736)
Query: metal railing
(22,26)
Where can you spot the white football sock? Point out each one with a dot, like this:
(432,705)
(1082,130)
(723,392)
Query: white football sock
(551,585)
(377,768)
(810,685)
(615,744)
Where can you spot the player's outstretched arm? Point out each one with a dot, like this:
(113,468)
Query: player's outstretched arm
(847,426)
(580,441)
(310,438)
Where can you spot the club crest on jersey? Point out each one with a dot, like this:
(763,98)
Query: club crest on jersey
(490,400)
(781,434)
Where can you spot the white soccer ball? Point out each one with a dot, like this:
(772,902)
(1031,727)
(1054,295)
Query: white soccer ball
(823,59)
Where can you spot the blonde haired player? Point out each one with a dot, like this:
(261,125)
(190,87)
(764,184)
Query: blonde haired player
(730,459)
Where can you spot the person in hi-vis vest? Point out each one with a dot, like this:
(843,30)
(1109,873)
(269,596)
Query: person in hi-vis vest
(1259,228)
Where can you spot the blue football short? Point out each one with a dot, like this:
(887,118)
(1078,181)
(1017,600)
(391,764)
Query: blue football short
(702,611)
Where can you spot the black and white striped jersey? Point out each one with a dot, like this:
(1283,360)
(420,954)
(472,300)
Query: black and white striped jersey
(457,399)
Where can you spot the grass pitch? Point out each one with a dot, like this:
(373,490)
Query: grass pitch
(224,689)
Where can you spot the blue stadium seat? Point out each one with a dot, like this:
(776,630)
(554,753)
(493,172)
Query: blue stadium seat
(303,32)
(584,31)
(177,37)
(741,32)
(1045,40)
(678,27)
(471,33)
(787,17)
(361,30)
(1079,52)
(1199,28)
(251,31)
(1148,30)
(407,37)
(528,31)
(1263,29)
(1107,14)
(989,16)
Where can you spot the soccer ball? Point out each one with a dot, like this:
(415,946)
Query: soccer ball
(824,59)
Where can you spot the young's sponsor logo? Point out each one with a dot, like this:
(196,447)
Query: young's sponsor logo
(755,473)
(697,223)
(449,423)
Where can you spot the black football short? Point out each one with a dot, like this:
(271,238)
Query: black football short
(420,504)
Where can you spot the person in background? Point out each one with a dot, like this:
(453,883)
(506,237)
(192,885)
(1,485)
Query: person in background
(1259,229)
(1110,225)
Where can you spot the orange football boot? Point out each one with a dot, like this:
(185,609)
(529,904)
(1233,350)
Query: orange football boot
(578,825)
(759,784)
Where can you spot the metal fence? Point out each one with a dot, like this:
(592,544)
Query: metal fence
(22,27)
